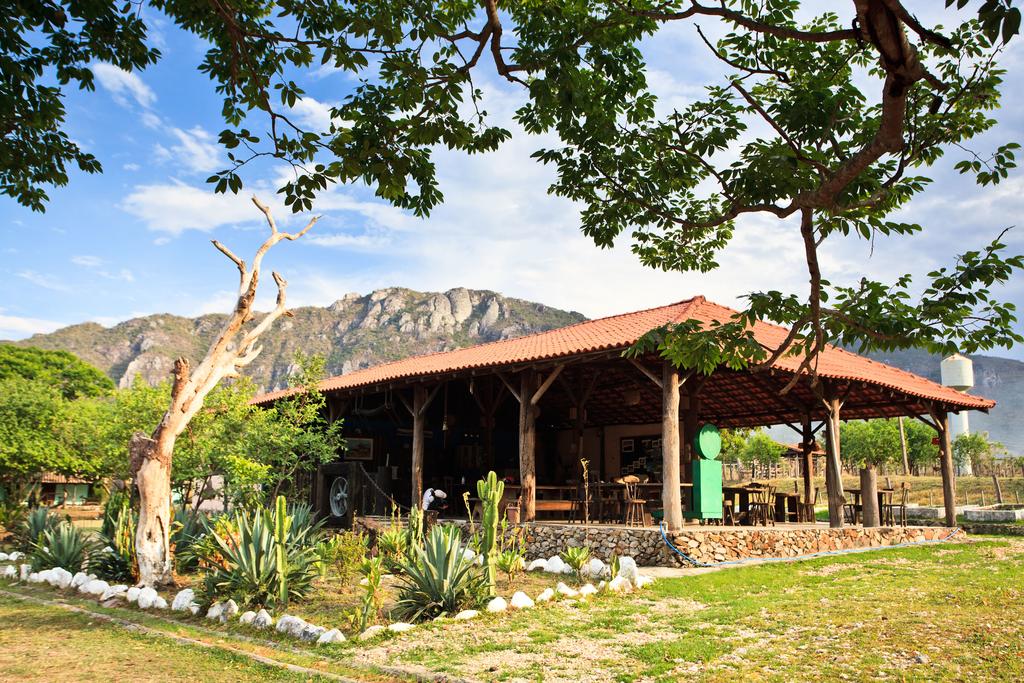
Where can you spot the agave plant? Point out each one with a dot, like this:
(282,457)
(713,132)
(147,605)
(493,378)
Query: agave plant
(268,561)
(576,557)
(437,579)
(393,547)
(116,560)
(511,562)
(64,546)
(36,523)
(186,530)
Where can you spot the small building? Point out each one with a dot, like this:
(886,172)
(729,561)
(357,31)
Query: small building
(534,407)
(58,489)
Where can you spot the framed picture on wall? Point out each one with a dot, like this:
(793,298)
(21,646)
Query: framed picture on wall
(627,446)
(358,449)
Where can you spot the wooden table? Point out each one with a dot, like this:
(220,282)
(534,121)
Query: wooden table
(858,508)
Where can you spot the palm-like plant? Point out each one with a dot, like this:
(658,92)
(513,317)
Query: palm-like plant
(64,546)
(36,523)
(393,547)
(437,580)
(117,560)
(576,557)
(511,561)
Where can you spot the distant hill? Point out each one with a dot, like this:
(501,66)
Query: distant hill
(1001,379)
(354,332)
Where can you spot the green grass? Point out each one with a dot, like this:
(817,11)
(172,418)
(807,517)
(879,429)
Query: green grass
(936,612)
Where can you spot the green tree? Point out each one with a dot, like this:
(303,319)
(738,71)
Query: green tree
(877,442)
(977,449)
(761,450)
(65,371)
(734,441)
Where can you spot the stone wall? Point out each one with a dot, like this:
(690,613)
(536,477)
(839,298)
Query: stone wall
(711,544)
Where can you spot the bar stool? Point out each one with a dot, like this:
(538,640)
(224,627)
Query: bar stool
(636,514)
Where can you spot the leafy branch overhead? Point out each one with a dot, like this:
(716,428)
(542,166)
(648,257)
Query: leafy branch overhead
(828,123)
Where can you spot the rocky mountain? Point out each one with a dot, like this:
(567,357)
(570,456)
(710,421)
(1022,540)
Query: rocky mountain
(354,332)
(1001,379)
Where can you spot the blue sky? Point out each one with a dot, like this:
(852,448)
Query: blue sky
(135,240)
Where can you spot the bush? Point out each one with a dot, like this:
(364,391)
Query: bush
(64,546)
(269,561)
(116,561)
(511,562)
(343,552)
(36,523)
(393,547)
(438,580)
(186,529)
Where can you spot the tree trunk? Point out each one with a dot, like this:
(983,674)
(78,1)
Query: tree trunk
(833,467)
(869,496)
(527,447)
(152,539)
(671,498)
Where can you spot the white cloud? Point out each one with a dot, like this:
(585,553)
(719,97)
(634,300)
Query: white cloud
(87,261)
(176,207)
(18,327)
(312,113)
(44,281)
(151,120)
(123,85)
(131,167)
(196,151)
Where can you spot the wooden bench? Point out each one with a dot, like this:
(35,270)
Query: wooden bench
(552,505)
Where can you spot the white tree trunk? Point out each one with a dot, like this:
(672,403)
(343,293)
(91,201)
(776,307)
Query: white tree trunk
(152,457)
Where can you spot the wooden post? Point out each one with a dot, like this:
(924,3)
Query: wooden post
(833,465)
(419,402)
(807,454)
(999,490)
(869,495)
(670,455)
(946,465)
(527,446)
(691,413)
(903,447)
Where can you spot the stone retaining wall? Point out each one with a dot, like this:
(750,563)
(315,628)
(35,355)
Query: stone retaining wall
(711,544)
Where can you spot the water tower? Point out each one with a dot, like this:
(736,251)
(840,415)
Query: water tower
(958,373)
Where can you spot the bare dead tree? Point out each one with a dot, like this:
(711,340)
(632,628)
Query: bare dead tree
(235,347)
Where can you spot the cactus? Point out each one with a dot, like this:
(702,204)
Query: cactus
(490,491)
(415,532)
(281,524)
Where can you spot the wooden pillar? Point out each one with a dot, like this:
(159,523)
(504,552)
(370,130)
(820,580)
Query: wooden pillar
(903,447)
(527,446)
(946,465)
(419,403)
(670,495)
(807,444)
(691,413)
(869,495)
(833,465)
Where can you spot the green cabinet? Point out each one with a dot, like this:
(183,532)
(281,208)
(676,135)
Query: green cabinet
(707,490)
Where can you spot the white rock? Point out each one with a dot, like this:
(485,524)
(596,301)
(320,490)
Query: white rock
(468,554)
(133,594)
(183,600)
(520,600)
(628,568)
(371,632)
(642,580)
(364,581)
(10,572)
(545,595)
(15,556)
(536,565)
(216,609)
(311,633)
(4,557)
(247,617)
(79,579)
(60,578)
(113,592)
(497,604)
(619,584)
(194,608)
(568,592)
(466,615)
(587,590)
(96,587)
(555,565)
(34,578)
(291,625)
(229,610)
(160,603)
(147,598)
(24,571)
(329,637)
(263,619)
(400,627)
(594,569)
(43,576)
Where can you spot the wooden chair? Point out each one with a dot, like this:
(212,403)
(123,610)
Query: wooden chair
(807,508)
(636,512)
(892,511)
(762,506)
(852,512)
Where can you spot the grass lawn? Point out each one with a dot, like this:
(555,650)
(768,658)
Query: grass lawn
(939,612)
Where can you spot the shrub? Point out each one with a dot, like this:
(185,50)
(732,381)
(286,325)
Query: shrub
(64,546)
(203,552)
(12,515)
(37,522)
(511,562)
(372,603)
(576,557)
(116,561)
(186,530)
(270,561)
(343,552)
(393,547)
(438,580)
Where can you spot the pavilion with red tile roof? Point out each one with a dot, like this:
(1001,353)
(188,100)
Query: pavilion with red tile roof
(545,400)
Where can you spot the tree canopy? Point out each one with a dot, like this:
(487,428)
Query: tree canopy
(68,373)
(826,122)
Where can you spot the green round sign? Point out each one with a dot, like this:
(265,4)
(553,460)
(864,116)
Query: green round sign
(708,442)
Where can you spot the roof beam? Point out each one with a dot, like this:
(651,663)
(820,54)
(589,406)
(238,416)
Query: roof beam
(542,389)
